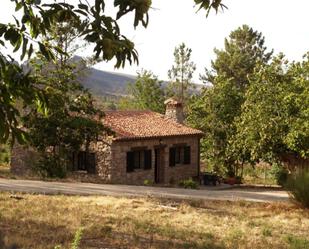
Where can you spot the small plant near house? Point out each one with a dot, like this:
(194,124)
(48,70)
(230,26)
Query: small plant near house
(148,182)
(189,183)
(298,187)
(50,166)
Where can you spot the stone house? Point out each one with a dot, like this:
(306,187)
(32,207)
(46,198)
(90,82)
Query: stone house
(145,146)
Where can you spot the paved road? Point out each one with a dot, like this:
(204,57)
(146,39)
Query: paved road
(41,187)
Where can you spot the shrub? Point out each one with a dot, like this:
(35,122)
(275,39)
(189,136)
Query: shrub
(148,182)
(238,179)
(4,154)
(50,166)
(298,187)
(280,173)
(189,183)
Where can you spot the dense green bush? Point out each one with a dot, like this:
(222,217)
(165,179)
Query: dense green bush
(298,186)
(189,183)
(51,166)
(148,182)
(280,173)
(4,154)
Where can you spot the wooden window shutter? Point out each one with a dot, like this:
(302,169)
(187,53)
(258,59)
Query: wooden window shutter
(130,161)
(172,156)
(91,163)
(75,161)
(147,159)
(187,155)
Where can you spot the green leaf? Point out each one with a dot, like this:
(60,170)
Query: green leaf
(81,12)
(18,44)
(24,49)
(98,5)
(30,51)
(83,7)
(18,6)
(59,50)
(44,51)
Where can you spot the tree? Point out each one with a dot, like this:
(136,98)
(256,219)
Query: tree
(213,111)
(96,27)
(181,73)
(147,92)
(274,120)
(242,52)
(72,120)
(220,105)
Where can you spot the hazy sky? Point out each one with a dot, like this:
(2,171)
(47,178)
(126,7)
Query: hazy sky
(284,24)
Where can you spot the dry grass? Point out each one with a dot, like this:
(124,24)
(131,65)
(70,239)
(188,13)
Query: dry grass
(38,221)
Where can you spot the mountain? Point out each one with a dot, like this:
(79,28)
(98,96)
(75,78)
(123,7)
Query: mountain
(104,83)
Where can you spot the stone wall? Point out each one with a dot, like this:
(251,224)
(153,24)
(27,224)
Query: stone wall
(102,150)
(23,159)
(179,172)
(111,160)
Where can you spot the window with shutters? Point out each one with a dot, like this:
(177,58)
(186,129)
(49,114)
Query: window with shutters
(179,155)
(84,161)
(140,159)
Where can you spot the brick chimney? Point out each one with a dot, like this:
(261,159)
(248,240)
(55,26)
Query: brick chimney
(174,110)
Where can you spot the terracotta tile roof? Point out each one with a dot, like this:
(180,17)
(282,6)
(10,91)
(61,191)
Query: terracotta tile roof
(144,124)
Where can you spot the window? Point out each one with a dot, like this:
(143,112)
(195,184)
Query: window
(180,155)
(140,159)
(84,161)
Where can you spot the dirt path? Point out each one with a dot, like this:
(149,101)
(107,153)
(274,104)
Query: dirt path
(41,187)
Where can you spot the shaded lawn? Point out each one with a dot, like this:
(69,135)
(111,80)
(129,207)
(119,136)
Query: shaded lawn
(38,221)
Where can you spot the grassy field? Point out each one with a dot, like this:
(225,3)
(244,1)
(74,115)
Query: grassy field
(37,221)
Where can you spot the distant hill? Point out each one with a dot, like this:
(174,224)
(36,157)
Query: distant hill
(104,83)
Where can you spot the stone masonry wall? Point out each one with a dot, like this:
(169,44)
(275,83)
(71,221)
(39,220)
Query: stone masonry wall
(22,159)
(102,150)
(111,160)
(171,174)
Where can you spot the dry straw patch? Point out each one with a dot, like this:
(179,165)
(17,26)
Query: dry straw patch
(38,221)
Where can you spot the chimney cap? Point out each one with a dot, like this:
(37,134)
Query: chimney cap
(173,102)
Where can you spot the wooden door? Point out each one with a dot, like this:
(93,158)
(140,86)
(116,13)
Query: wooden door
(159,165)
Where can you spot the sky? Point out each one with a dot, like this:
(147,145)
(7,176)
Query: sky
(284,23)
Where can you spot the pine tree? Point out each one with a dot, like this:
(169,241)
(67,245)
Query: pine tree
(181,73)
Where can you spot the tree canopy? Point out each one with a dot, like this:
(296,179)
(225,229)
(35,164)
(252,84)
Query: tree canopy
(147,92)
(181,73)
(72,120)
(274,121)
(219,104)
(243,49)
